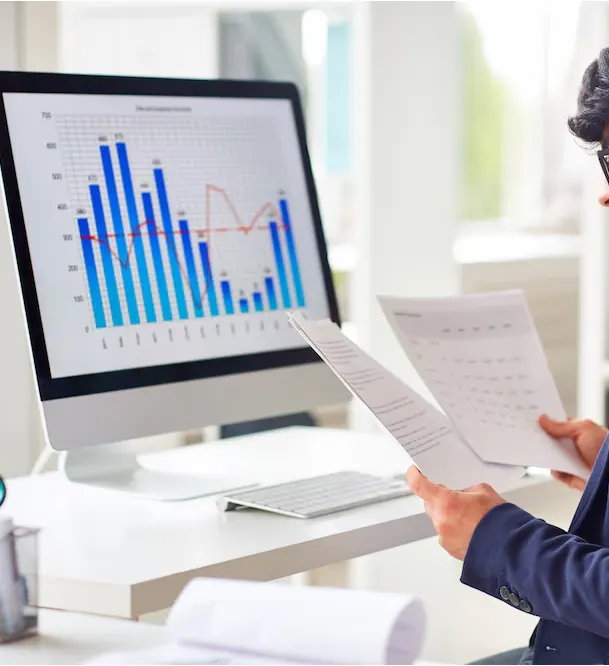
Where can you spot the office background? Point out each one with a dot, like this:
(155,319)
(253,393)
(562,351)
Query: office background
(438,138)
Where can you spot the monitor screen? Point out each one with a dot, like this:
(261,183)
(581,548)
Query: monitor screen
(164,230)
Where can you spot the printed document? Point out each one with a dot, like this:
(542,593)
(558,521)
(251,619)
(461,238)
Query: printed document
(482,360)
(424,433)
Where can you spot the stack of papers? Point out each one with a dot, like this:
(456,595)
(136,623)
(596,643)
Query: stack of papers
(482,360)
(240,622)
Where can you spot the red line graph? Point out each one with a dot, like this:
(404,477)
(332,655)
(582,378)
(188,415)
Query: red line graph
(153,229)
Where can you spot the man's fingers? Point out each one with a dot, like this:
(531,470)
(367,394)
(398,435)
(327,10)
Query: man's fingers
(569,480)
(478,488)
(560,476)
(557,428)
(421,486)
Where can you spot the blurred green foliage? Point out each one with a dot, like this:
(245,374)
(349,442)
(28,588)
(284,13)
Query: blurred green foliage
(482,129)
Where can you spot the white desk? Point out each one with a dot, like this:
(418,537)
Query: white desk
(114,555)
(73,638)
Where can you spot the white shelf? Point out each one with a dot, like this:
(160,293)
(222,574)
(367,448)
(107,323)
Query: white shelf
(483,247)
(501,246)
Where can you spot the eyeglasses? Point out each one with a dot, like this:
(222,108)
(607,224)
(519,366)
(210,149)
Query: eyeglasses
(603,158)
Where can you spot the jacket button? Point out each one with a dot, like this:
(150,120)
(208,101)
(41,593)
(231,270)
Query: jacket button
(504,592)
(514,599)
(525,606)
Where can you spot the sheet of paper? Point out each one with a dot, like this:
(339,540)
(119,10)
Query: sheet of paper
(425,433)
(482,359)
(298,624)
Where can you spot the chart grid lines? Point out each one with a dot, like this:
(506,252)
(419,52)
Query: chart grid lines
(166,230)
(167,247)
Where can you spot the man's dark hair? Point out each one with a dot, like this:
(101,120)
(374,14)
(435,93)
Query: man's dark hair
(592,117)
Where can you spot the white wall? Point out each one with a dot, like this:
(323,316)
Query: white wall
(27,41)
(139,38)
(406,109)
(8,35)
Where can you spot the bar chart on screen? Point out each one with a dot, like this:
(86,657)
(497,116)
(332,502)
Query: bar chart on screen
(166,232)
(163,262)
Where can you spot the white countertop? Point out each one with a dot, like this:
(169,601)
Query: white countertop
(115,555)
(73,638)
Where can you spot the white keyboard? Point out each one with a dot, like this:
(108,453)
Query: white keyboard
(318,495)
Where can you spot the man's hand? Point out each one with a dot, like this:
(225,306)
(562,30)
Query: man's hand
(455,514)
(588,438)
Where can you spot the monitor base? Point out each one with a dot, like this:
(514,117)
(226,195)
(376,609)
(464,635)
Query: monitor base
(113,467)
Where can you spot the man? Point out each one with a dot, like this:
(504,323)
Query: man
(562,577)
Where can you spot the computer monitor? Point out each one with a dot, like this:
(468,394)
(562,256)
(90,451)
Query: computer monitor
(162,228)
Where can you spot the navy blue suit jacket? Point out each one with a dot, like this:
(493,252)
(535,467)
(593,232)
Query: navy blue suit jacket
(562,577)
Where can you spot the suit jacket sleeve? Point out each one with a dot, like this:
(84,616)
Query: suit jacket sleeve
(561,576)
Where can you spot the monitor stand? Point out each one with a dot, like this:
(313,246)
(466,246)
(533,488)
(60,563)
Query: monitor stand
(116,467)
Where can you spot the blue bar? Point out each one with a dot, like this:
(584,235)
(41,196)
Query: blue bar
(244,306)
(138,244)
(190,267)
(121,243)
(157,258)
(289,236)
(258,301)
(209,280)
(283,280)
(270,292)
(106,255)
(227,297)
(171,245)
(91,269)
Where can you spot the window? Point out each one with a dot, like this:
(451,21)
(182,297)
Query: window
(518,88)
(313,50)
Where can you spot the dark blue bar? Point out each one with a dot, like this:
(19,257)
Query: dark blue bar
(283,280)
(209,280)
(270,292)
(190,267)
(121,242)
(91,269)
(257,296)
(244,306)
(157,258)
(289,237)
(134,223)
(106,255)
(171,245)
(227,297)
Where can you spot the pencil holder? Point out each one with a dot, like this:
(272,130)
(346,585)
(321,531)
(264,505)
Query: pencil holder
(18,584)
